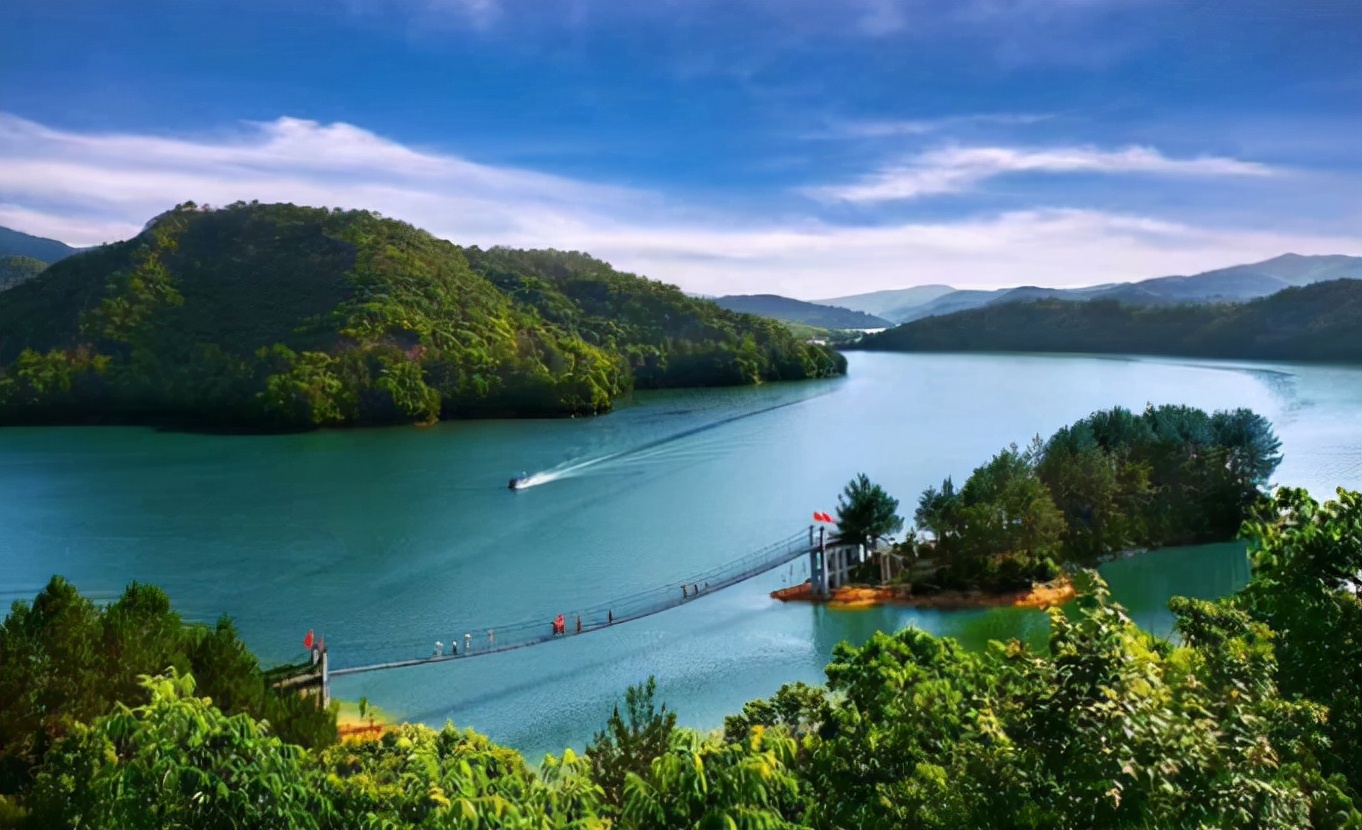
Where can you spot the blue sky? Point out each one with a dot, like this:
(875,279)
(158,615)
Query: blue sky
(805,147)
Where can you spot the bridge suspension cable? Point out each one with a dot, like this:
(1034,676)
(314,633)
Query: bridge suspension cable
(483,640)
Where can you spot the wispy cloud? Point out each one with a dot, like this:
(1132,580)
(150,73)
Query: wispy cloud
(91,188)
(438,14)
(135,176)
(896,128)
(956,169)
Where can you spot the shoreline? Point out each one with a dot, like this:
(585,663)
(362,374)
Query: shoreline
(854,597)
(351,727)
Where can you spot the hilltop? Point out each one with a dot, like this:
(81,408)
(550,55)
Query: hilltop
(798,311)
(278,316)
(1313,322)
(17,243)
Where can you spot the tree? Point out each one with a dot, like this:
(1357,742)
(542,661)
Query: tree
(64,662)
(1107,727)
(1006,509)
(176,761)
(629,742)
(709,783)
(1306,561)
(866,513)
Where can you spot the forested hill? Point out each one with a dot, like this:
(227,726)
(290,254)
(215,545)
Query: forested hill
(798,311)
(1315,322)
(277,316)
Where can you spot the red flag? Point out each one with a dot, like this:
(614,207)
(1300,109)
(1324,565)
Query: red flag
(827,518)
(817,517)
(307,641)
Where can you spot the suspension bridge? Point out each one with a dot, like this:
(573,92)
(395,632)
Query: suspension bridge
(825,560)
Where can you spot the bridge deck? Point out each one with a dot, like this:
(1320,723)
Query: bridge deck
(498,639)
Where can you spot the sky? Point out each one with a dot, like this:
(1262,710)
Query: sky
(811,148)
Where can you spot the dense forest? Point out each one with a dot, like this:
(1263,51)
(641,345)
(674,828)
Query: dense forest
(1249,719)
(1316,322)
(16,269)
(1114,481)
(284,317)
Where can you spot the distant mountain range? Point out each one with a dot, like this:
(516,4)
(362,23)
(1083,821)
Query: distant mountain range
(16,243)
(1320,321)
(1238,283)
(798,311)
(884,303)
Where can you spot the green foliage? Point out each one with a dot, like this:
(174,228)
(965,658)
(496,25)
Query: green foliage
(1307,558)
(1316,322)
(709,783)
(797,708)
(64,661)
(629,742)
(15,269)
(415,777)
(866,513)
(1110,482)
(286,317)
(175,762)
(1106,728)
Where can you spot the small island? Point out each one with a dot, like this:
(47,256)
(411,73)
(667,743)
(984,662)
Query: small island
(1112,483)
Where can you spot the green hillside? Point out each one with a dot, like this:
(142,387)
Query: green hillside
(285,317)
(1314,322)
(17,268)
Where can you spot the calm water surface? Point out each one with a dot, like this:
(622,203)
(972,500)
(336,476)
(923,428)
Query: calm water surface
(387,540)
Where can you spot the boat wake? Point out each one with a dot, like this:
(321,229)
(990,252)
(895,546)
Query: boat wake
(575,468)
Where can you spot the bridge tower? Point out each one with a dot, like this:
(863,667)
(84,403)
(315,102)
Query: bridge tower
(818,570)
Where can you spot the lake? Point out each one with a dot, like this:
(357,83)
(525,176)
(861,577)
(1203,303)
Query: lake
(385,541)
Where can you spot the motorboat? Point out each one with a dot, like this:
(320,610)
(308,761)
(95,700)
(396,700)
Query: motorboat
(518,482)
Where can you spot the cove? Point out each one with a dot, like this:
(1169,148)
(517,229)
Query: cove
(385,541)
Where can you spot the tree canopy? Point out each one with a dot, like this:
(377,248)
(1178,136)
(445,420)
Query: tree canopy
(1114,481)
(284,317)
(866,513)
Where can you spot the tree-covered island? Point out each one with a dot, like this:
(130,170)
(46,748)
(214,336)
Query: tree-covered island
(261,317)
(1113,482)
(1248,720)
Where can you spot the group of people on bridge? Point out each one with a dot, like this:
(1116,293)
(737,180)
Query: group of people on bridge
(559,624)
(467,644)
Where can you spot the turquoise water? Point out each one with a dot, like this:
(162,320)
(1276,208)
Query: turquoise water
(385,541)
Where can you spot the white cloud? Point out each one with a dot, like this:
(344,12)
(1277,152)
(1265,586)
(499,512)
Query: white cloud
(923,126)
(957,169)
(90,188)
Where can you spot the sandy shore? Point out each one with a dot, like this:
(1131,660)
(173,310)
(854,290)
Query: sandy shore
(1045,595)
(352,727)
